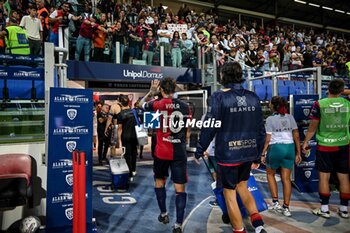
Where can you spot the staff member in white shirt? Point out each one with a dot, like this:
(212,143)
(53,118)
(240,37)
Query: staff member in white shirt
(164,37)
(282,149)
(34,30)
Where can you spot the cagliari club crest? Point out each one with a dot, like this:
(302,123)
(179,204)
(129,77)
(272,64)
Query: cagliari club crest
(69,213)
(307,174)
(71,145)
(306,111)
(69,179)
(72,113)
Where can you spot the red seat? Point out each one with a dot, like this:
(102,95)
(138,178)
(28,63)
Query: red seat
(15,180)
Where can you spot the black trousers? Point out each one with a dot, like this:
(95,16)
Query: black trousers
(98,54)
(103,145)
(130,155)
(35,46)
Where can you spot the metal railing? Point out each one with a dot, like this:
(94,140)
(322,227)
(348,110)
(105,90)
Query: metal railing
(316,77)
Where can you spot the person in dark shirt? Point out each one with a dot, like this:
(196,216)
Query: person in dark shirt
(134,43)
(127,135)
(118,36)
(170,149)
(308,57)
(103,139)
(318,60)
(238,143)
(251,56)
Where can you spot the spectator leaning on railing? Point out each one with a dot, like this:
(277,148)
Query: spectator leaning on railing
(200,29)
(99,38)
(60,18)
(88,27)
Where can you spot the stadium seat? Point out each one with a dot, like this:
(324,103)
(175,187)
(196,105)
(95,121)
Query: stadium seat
(267,82)
(292,90)
(269,93)
(280,82)
(301,90)
(260,90)
(289,83)
(15,180)
(283,91)
(300,84)
(257,82)
(312,90)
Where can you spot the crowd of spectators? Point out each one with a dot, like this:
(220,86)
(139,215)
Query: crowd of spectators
(141,30)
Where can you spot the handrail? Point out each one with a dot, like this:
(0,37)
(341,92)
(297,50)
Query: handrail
(314,69)
(60,49)
(233,59)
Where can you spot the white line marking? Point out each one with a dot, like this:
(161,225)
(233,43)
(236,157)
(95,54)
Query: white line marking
(193,210)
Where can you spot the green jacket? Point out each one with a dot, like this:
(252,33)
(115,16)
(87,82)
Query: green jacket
(17,40)
(333,129)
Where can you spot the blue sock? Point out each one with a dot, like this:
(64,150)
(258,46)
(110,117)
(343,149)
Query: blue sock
(161,197)
(180,203)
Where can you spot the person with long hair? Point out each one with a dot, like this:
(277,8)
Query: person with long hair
(176,45)
(281,150)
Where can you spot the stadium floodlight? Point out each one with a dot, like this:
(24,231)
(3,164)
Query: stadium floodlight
(348,13)
(340,11)
(298,1)
(312,4)
(327,8)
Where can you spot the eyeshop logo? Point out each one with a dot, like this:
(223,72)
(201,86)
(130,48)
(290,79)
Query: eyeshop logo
(141,74)
(176,121)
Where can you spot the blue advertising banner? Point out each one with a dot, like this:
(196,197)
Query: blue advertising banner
(29,60)
(70,128)
(91,71)
(21,73)
(305,174)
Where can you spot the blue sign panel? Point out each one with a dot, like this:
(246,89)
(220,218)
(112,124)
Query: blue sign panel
(91,71)
(21,73)
(70,128)
(305,174)
(28,60)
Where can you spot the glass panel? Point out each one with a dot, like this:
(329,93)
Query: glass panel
(22,121)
